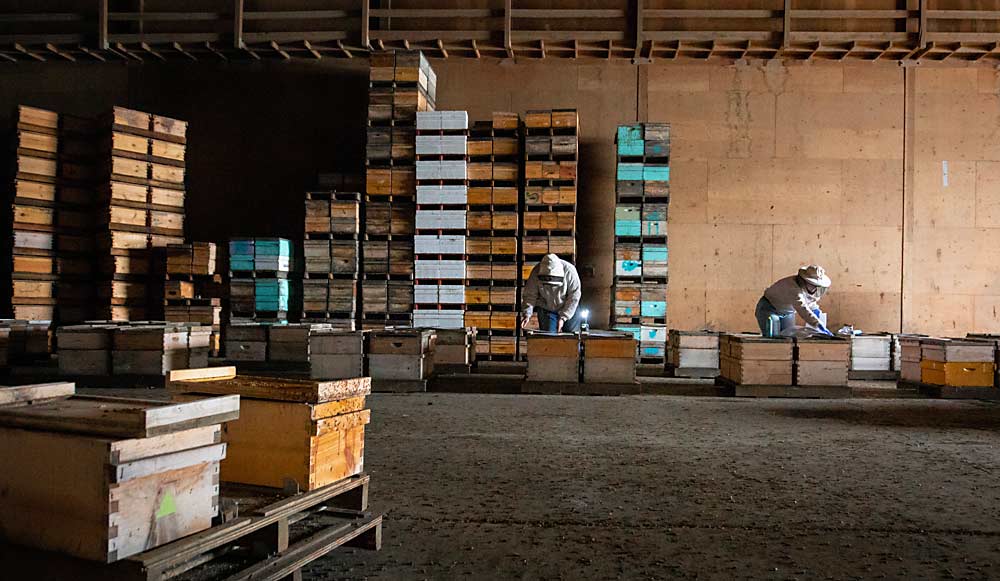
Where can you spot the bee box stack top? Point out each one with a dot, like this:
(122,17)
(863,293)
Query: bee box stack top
(259,286)
(402,83)
(494,236)
(642,190)
(442,198)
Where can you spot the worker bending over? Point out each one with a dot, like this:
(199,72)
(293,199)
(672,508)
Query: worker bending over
(553,287)
(794,294)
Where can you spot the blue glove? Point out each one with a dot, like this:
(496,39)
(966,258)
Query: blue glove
(821,326)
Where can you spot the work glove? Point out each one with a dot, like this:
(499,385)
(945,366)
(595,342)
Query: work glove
(821,326)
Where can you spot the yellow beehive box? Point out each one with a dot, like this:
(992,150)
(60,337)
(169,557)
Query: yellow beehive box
(957,374)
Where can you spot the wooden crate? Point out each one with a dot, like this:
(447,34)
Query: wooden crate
(553,357)
(609,357)
(957,373)
(309,432)
(113,477)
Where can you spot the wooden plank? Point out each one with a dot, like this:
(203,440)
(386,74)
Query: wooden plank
(141,468)
(119,417)
(24,394)
(124,451)
(278,389)
(202,374)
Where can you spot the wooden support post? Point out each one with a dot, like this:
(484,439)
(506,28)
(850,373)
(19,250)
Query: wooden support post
(238,24)
(370,539)
(922,26)
(786,26)
(507,27)
(365,22)
(102,25)
(639,38)
(270,541)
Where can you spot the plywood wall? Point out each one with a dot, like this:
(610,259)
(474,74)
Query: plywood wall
(774,167)
(953,258)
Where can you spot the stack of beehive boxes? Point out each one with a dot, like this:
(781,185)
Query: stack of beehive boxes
(872,354)
(957,362)
(25,341)
(909,358)
(693,353)
(290,343)
(192,287)
(128,348)
(821,361)
(401,84)
(50,220)
(553,357)
(642,190)
(442,197)
(259,285)
(493,239)
(551,151)
(755,360)
(330,266)
(401,359)
(337,354)
(119,476)
(609,357)
(142,205)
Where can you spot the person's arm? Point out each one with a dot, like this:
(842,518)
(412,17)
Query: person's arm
(572,295)
(529,296)
(809,311)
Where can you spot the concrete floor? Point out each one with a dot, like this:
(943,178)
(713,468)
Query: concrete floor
(562,487)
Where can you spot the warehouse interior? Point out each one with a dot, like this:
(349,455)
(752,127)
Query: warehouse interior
(393,443)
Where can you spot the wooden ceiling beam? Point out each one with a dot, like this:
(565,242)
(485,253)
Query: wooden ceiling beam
(180,48)
(144,46)
(55,50)
(277,48)
(122,49)
(211,48)
(441,49)
(309,48)
(92,53)
(475,49)
(347,52)
(7,57)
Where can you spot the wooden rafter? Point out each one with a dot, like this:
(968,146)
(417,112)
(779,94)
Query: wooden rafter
(541,46)
(211,48)
(277,48)
(441,49)
(55,50)
(144,46)
(180,48)
(344,49)
(7,57)
(309,48)
(28,53)
(92,53)
(475,49)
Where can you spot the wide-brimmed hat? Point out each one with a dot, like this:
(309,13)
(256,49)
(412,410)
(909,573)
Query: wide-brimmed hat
(550,269)
(815,274)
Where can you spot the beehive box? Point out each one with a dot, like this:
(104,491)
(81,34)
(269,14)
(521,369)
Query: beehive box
(693,350)
(401,354)
(553,357)
(609,357)
(871,352)
(957,362)
(909,358)
(754,360)
(337,354)
(822,361)
(106,478)
(309,432)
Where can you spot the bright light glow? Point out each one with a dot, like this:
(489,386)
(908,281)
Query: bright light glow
(585,314)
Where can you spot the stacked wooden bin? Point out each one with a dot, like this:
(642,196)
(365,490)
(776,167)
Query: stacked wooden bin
(259,286)
(874,356)
(442,196)
(50,233)
(756,366)
(551,151)
(192,287)
(954,368)
(642,189)
(401,84)
(693,353)
(330,266)
(141,206)
(103,479)
(493,239)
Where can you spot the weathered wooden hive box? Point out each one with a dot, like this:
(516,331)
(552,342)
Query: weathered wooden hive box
(871,352)
(957,362)
(609,357)
(311,433)
(754,360)
(693,349)
(822,361)
(106,478)
(403,354)
(553,357)
(337,354)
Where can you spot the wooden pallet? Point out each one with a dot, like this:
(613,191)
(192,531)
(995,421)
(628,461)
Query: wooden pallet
(692,372)
(789,391)
(951,392)
(399,385)
(256,540)
(873,375)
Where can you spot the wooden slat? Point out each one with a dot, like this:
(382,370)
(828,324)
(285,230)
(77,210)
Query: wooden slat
(277,389)
(23,394)
(697,13)
(295,14)
(429,13)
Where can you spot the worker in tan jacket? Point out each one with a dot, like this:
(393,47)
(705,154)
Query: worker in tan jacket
(799,294)
(553,289)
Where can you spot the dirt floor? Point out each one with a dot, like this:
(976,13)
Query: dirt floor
(562,487)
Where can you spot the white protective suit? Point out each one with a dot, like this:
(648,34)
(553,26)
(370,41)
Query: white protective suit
(787,296)
(562,298)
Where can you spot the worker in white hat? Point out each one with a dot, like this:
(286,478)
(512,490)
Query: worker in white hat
(800,294)
(553,288)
